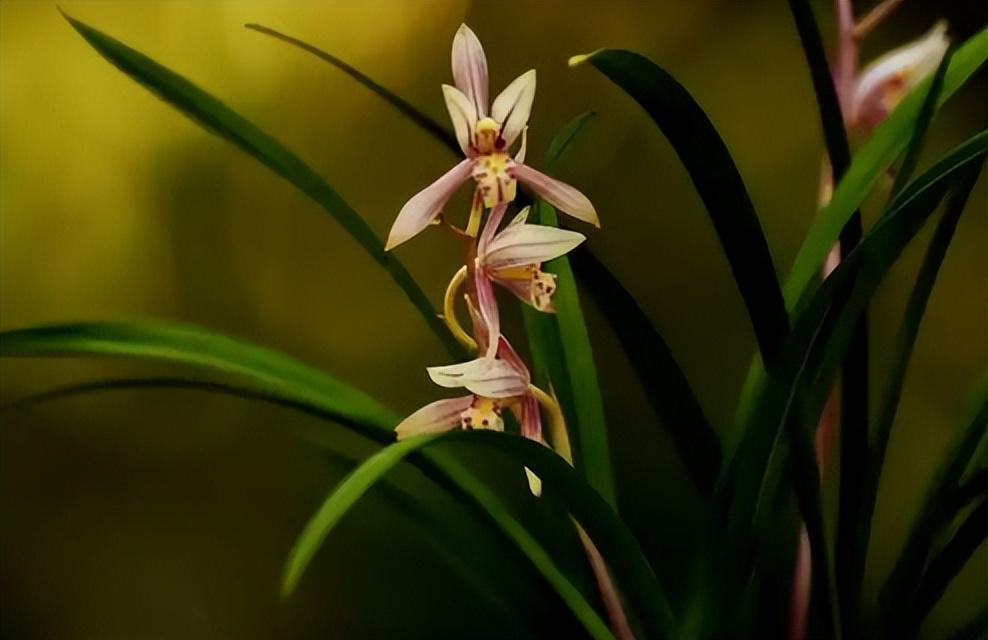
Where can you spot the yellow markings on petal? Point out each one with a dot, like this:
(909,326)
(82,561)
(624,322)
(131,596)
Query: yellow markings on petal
(543,286)
(486,135)
(484,413)
(493,180)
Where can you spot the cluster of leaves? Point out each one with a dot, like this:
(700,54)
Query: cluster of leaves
(804,332)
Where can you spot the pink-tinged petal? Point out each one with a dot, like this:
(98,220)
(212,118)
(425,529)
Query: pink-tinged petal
(523,149)
(441,415)
(480,332)
(524,244)
(559,194)
(884,82)
(512,106)
(507,353)
(470,68)
(485,376)
(494,219)
(530,421)
(520,287)
(419,212)
(487,305)
(462,114)
(847,54)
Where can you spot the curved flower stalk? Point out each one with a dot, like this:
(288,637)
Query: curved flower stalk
(485,136)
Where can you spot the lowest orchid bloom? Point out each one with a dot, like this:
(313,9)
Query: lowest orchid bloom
(485,138)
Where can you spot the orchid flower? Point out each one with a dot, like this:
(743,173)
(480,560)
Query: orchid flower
(868,96)
(513,257)
(485,137)
(495,384)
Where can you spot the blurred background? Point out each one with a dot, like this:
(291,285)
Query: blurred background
(168,514)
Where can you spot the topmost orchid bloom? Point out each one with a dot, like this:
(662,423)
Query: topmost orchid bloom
(485,137)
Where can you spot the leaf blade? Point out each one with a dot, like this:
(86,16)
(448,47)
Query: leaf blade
(717,180)
(217,118)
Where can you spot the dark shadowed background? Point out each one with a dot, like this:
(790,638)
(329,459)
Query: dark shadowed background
(169,514)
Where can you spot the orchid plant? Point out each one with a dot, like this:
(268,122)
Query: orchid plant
(764,481)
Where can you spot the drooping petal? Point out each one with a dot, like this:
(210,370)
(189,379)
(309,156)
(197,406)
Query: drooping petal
(484,376)
(530,284)
(512,106)
(470,68)
(523,149)
(521,244)
(462,114)
(419,212)
(487,305)
(559,194)
(530,421)
(884,82)
(440,415)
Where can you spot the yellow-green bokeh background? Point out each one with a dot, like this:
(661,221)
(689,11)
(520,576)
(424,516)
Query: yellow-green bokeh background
(139,515)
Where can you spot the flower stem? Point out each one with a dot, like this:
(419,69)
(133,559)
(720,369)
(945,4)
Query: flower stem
(608,592)
(449,311)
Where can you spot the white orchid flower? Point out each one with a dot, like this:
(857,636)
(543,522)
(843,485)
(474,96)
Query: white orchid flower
(513,257)
(485,138)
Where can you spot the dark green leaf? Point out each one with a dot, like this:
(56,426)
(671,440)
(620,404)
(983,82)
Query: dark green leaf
(905,341)
(628,564)
(706,158)
(426,123)
(295,385)
(874,157)
(975,629)
(668,391)
(219,119)
(923,121)
(561,142)
(797,389)
(935,516)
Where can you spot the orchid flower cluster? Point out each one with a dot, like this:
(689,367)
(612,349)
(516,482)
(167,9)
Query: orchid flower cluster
(511,257)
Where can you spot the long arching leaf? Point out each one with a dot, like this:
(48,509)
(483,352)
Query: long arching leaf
(219,119)
(717,181)
(628,564)
(406,108)
(296,385)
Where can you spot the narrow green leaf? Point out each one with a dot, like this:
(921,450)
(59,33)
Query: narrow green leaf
(572,371)
(923,121)
(435,529)
(934,517)
(974,629)
(874,157)
(666,387)
(717,181)
(222,121)
(565,137)
(295,385)
(628,564)
(821,337)
(945,567)
(203,348)
(406,108)
(905,341)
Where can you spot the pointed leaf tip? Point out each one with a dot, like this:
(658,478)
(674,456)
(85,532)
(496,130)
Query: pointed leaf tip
(577,60)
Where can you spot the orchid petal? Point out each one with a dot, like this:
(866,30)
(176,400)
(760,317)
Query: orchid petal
(559,194)
(462,114)
(470,68)
(522,244)
(523,149)
(508,354)
(884,82)
(419,212)
(494,219)
(441,415)
(484,376)
(487,305)
(512,106)
(521,218)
